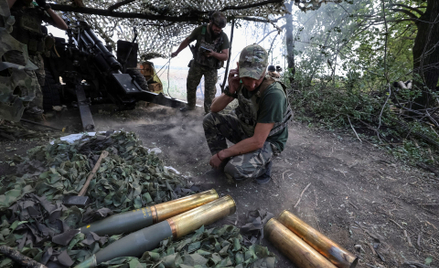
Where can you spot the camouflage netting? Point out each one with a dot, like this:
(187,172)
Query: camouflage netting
(163,24)
(35,222)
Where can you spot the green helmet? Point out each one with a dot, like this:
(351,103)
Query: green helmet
(253,61)
(219,19)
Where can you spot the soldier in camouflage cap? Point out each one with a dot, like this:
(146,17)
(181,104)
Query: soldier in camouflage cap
(253,61)
(210,52)
(258,127)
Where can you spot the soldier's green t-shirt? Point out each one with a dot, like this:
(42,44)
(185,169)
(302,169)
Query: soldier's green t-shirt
(272,106)
(208,37)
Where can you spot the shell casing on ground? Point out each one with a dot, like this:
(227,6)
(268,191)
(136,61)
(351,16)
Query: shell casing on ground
(325,246)
(299,252)
(143,217)
(191,220)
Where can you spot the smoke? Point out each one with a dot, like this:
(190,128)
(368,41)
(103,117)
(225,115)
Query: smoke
(179,136)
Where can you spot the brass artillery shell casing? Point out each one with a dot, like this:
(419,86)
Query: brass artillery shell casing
(325,246)
(191,220)
(299,252)
(143,217)
(166,210)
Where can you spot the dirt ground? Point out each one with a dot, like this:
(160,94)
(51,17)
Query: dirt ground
(358,195)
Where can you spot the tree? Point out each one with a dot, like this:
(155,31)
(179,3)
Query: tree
(289,41)
(426,49)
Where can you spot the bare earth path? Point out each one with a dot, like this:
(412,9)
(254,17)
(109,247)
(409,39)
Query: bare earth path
(356,194)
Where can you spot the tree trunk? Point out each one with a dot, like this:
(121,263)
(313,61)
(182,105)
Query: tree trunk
(426,53)
(289,39)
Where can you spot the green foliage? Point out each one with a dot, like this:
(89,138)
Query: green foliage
(348,104)
(347,57)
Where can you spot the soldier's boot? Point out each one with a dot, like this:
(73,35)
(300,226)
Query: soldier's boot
(266,177)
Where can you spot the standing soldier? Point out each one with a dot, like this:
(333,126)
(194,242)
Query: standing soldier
(210,51)
(28,30)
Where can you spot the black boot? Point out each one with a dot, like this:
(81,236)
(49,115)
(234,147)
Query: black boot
(266,177)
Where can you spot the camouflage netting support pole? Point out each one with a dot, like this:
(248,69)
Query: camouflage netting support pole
(19,258)
(230,53)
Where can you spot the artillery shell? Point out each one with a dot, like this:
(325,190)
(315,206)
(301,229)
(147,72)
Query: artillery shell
(140,218)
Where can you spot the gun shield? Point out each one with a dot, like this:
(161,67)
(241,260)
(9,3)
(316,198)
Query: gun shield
(136,243)
(141,218)
(302,254)
(328,248)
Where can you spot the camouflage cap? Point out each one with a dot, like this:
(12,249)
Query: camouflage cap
(253,61)
(219,19)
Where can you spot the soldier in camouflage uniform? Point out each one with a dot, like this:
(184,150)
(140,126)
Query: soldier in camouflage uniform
(210,51)
(28,30)
(258,127)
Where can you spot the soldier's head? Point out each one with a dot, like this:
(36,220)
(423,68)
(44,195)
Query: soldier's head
(217,22)
(271,68)
(252,64)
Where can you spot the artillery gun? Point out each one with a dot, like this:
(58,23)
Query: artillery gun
(91,73)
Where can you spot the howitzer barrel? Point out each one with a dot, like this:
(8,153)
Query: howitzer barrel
(302,254)
(328,248)
(136,243)
(141,218)
(88,41)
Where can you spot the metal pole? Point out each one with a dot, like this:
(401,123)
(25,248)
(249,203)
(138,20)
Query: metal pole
(230,54)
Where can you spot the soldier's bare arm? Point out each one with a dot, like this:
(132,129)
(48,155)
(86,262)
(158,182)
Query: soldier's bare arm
(59,22)
(182,46)
(220,102)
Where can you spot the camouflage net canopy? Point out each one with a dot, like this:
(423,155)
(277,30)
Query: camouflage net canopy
(161,24)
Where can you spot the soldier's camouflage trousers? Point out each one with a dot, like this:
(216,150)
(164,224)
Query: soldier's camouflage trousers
(218,128)
(196,71)
(40,75)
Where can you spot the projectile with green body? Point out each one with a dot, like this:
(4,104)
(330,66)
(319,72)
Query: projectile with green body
(140,218)
(136,243)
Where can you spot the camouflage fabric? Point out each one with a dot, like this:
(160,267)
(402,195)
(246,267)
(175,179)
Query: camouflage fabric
(40,75)
(218,128)
(253,61)
(19,87)
(196,71)
(34,221)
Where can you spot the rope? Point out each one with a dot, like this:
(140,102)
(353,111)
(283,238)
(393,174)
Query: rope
(169,67)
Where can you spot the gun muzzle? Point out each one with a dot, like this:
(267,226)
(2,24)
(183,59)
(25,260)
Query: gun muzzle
(328,248)
(140,218)
(136,243)
(299,252)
